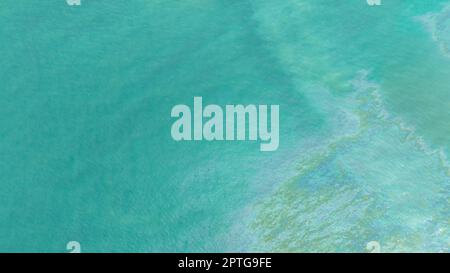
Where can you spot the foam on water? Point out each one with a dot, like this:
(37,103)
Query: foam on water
(382,184)
(369,177)
(437,24)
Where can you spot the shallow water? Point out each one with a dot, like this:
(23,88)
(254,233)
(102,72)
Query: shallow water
(86,152)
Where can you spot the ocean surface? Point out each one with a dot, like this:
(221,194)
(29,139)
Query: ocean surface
(86,153)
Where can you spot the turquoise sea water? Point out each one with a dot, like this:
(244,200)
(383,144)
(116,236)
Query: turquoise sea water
(85,147)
